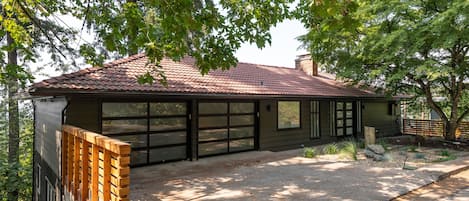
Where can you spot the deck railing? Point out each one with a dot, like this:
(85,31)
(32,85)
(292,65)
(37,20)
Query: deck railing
(94,167)
(432,128)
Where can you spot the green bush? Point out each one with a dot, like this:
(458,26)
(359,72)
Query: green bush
(383,143)
(309,152)
(445,152)
(349,149)
(332,148)
(412,148)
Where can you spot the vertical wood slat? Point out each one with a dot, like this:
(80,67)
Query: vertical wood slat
(95,173)
(84,173)
(107,175)
(109,160)
(76,165)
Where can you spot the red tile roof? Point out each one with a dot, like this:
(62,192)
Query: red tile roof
(183,78)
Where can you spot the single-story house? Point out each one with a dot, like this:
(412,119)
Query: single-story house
(249,107)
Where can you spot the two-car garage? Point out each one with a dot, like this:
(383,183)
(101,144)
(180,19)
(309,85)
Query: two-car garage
(160,131)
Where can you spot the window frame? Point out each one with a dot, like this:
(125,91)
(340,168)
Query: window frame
(299,113)
(50,191)
(315,112)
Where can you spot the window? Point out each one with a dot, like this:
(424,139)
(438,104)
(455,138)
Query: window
(50,191)
(288,114)
(38,180)
(315,119)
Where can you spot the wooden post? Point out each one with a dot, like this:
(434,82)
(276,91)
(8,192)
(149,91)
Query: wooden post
(107,175)
(95,173)
(84,169)
(76,165)
(64,149)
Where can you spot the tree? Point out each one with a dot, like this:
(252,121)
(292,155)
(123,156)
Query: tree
(400,47)
(210,33)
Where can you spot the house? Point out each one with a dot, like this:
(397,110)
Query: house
(249,107)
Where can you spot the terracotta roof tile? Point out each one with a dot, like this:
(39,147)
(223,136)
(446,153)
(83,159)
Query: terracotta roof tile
(184,77)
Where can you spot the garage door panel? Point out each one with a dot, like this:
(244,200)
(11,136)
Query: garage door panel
(226,127)
(212,148)
(242,132)
(213,134)
(167,153)
(161,124)
(159,139)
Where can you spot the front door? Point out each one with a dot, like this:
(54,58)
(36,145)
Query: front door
(226,127)
(345,125)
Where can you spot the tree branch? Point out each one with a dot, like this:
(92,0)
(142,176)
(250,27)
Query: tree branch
(462,116)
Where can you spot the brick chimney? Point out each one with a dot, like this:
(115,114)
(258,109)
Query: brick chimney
(306,64)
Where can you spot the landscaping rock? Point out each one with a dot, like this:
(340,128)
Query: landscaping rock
(376,148)
(375,156)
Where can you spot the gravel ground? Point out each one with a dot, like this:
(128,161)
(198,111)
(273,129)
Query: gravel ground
(285,176)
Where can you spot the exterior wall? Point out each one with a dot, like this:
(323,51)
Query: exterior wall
(84,113)
(270,138)
(47,138)
(376,114)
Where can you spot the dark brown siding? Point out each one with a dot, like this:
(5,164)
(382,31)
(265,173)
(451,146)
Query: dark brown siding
(270,138)
(375,114)
(47,138)
(84,113)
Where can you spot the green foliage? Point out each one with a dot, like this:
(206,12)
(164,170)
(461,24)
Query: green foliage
(419,156)
(24,168)
(331,148)
(410,47)
(383,143)
(349,149)
(412,148)
(445,152)
(309,152)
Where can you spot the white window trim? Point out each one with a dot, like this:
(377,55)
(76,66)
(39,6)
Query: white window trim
(50,191)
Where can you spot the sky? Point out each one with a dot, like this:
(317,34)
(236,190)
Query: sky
(282,51)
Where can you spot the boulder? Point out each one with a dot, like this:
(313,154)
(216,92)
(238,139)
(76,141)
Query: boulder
(376,148)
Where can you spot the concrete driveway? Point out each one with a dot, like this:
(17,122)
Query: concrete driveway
(279,176)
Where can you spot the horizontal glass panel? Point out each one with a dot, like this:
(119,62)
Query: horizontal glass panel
(213,148)
(241,120)
(348,106)
(217,121)
(124,126)
(340,123)
(340,114)
(340,105)
(236,108)
(161,124)
(138,157)
(349,131)
(288,114)
(213,108)
(167,153)
(135,141)
(349,122)
(349,114)
(340,131)
(213,134)
(159,139)
(241,132)
(240,145)
(167,109)
(124,109)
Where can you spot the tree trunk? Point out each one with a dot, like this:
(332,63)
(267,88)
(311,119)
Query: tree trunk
(450,129)
(13,123)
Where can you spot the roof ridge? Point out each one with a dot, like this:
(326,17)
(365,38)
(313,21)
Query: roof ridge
(266,65)
(91,69)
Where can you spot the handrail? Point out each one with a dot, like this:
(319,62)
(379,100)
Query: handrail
(94,167)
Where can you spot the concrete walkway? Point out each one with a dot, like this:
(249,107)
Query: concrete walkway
(279,176)
(453,188)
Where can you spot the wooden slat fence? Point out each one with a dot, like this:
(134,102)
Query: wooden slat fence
(432,128)
(94,167)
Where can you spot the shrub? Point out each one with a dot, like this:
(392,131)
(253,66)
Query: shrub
(412,148)
(445,152)
(349,149)
(309,152)
(383,143)
(332,148)
(419,156)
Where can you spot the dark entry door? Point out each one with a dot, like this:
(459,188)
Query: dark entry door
(156,131)
(226,127)
(344,119)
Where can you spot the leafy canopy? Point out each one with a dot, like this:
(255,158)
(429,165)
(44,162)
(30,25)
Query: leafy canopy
(411,46)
